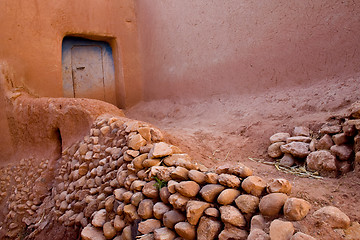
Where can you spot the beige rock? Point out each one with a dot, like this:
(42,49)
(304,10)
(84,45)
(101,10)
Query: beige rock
(232,233)
(253,185)
(83,149)
(271,204)
(99,218)
(229,180)
(343,152)
(279,137)
(330,128)
(324,143)
(174,159)
(136,141)
(211,191)
(178,201)
(281,230)
(139,160)
(301,131)
(171,186)
(160,150)
(211,178)
(162,173)
(187,188)
(149,226)
(322,161)
(194,210)
(212,212)
(145,133)
(91,233)
(172,217)
(232,215)
(150,162)
(164,234)
(279,185)
(208,229)
(119,223)
(258,234)
(332,216)
(136,198)
(296,209)
(105,130)
(145,209)
(109,204)
(160,209)
(274,150)
(297,149)
(299,139)
(150,190)
(180,173)
(227,196)
(197,176)
(287,160)
(247,203)
(257,222)
(301,236)
(137,185)
(126,233)
(130,211)
(109,230)
(353,232)
(185,230)
(340,139)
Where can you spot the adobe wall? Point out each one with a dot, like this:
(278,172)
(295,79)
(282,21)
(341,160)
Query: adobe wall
(200,48)
(32,33)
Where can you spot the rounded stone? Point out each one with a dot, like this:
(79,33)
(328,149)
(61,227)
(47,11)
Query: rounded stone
(274,150)
(247,203)
(296,209)
(229,180)
(227,196)
(253,185)
(187,188)
(109,230)
(279,185)
(186,230)
(281,230)
(271,204)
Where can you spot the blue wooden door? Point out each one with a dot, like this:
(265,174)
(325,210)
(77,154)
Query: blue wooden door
(88,70)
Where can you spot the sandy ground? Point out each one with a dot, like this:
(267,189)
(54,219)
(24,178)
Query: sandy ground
(227,128)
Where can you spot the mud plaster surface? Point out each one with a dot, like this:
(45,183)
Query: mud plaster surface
(233,128)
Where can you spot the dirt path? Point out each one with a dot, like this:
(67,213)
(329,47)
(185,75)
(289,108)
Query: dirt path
(234,128)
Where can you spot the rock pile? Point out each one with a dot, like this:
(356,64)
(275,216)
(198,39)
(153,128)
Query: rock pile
(332,150)
(124,181)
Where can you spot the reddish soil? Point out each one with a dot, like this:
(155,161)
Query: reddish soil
(227,128)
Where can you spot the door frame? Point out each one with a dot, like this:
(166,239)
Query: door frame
(110,87)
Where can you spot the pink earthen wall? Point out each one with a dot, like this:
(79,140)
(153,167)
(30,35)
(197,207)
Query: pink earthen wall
(31,39)
(197,48)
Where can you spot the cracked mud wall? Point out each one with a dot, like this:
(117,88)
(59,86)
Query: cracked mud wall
(196,48)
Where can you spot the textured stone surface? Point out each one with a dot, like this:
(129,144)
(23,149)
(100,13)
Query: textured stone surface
(187,188)
(230,214)
(322,161)
(164,234)
(274,150)
(332,216)
(229,180)
(281,230)
(186,230)
(208,229)
(271,204)
(211,191)
(172,217)
(247,203)
(296,209)
(149,226)
(279,185)
(297,149)
(253,185)
(228,196)
(258,234)
(302,236)
(194,210)
(279,137)
(91,233)
(232,232)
